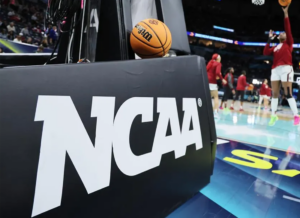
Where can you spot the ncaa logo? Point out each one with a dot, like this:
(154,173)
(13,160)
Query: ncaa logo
(64,133)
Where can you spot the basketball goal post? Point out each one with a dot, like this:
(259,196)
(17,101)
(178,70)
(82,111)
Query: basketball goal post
(104,34)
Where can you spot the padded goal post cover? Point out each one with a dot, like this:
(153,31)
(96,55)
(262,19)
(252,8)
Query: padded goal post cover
(118,17)
(153,193)
(115,26)
(172,14)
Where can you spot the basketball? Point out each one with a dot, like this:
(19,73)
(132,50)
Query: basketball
(284,3)
(151,38)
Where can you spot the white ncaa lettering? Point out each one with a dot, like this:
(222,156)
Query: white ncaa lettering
(64,132)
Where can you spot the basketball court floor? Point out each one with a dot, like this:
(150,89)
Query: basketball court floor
(257,169)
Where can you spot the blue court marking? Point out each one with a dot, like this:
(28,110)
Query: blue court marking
(200,206)
(247,192)
(244,192)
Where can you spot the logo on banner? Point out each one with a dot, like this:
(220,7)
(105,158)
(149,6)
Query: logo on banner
(94,20)
(298,80)
(64,133)
(142,31)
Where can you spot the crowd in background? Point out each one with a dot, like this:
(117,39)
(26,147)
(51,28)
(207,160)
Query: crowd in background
(201,19)
(24,22)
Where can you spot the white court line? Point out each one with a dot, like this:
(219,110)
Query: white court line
(291,198)
(221,141)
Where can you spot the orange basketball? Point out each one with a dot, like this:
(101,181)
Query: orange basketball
(284,3)
(151,38)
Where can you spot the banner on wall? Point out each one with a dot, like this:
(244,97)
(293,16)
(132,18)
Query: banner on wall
(9,46)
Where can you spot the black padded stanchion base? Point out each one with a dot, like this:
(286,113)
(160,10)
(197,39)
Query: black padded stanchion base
(118,139)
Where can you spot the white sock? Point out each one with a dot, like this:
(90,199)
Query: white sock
(231,105)
(293,106)
(241,107)
(274,105)
(260,100)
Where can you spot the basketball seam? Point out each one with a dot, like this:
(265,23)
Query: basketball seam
(155,53)
(152,54)
(144,42)
(166,33)
(156,36)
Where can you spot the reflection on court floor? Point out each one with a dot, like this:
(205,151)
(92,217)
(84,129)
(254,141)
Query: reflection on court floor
(252,127)
(248,181)
(256,172)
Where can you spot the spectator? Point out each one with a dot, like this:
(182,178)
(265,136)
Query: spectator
(32,9)
(52,35)
(45,42)
(11,27)
(40,49)
(19,38)
(14,5)
(25,31)
(1,50)
(3,24)
(29,40)
(10,35)
(3,34)
(34,17)
(37,29)
(48,29)
(11,13)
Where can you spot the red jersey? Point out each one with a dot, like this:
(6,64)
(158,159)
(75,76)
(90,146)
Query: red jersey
(214,72)
(282,53)
(229,78)
(263,89)
(241,83)
(269,92)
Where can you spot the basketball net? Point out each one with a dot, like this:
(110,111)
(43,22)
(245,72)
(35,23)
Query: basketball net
(258,2)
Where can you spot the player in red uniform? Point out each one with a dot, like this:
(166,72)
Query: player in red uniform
(282,69)
(228,88)
(214,73)
(240,90)
(269,94)
(264,94)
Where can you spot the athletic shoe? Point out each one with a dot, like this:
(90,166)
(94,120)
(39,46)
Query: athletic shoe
(241,110)
(221,108)
(231,108)
(273,120)
(296,120)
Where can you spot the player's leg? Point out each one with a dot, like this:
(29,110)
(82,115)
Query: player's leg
(261,98)
(226,96)
(266,102)
(214,95)
(235,98)
(287,86)
(287,79)
(275,82)
(242,93)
